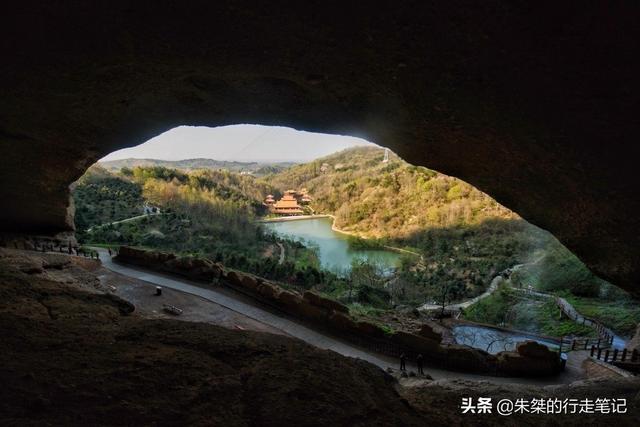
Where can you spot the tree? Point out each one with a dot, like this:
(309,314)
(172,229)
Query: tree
(365,273)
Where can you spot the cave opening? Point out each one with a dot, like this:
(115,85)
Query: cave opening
(387,238)
(532,104)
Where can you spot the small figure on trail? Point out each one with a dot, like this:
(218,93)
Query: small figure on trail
(70,249)
(403,360)
(419,362)
(109,249)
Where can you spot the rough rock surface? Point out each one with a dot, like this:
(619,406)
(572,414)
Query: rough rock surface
(446,396)
(533,103)
(72,355)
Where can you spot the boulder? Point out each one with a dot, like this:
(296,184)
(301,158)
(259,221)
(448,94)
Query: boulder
(468,359)
(311,312)
(250,283)
(342,322)
(515,363)
(327,303)
(268,291)
(535,350)
(427,331)
(418,344)
(234,278)
(289,301)
(369,329)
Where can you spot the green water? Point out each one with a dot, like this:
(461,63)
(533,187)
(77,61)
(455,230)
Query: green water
(334,250)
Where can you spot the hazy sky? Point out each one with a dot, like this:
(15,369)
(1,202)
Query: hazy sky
(238,142)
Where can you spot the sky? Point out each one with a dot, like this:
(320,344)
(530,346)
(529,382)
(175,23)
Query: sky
(244,143)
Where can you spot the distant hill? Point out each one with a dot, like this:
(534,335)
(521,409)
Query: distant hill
(255,168)
(388,199)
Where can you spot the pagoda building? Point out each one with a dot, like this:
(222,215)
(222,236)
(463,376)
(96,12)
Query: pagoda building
(287,205)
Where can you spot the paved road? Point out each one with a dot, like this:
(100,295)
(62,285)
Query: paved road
(461,305)
(233,301)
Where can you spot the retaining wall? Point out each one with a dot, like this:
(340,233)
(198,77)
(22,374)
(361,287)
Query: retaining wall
(333,316)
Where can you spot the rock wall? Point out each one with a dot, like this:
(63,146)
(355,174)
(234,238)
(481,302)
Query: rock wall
(533,103)
(529,360)
(192,268)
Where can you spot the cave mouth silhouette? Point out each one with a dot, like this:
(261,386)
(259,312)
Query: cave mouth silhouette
(251,143)
(532,105)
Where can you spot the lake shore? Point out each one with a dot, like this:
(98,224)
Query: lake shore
(334,228)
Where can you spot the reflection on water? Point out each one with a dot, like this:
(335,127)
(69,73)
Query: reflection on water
(333,247)
(494,340)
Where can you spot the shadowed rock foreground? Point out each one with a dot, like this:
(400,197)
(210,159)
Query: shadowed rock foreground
(74,355)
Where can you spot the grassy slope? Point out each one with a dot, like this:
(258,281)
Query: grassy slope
(505,308)
(563,274)
(101,197)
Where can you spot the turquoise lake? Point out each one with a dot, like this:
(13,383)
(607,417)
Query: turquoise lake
(334,250)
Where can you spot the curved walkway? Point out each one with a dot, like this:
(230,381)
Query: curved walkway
(233,301)
(493,286)
(573,314)
(133,218)
(464,304)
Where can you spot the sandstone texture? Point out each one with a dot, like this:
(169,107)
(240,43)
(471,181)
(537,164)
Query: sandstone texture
(534,103)
(72,355)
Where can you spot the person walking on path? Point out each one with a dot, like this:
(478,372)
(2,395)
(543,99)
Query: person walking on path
(419,362)
(403,360)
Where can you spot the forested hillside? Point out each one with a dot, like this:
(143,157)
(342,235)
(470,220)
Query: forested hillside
(101,197)
(392,199)
(208,213)
(463,235)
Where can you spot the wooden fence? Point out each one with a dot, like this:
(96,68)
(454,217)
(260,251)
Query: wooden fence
(626,359)
(605,334)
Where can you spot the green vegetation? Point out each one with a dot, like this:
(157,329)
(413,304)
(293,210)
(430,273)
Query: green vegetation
(622,315)
(100,198)
(506,308)
(204,213)
(561,273)
(387,200)
(463,237)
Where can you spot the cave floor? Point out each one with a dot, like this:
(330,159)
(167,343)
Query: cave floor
(75,354)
